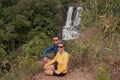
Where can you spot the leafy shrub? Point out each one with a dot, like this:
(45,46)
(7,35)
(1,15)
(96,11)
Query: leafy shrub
(36,46)
(23,70)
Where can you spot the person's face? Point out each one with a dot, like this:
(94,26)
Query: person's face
(55,40)
(60,47)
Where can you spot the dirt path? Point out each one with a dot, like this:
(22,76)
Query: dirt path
(75,74)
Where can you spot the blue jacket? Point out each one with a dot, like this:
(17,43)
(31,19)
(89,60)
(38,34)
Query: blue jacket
(51,48)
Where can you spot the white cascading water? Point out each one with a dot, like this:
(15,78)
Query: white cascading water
(69,18)
(69,31)
(77,19)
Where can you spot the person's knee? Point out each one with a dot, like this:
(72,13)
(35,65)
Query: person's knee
(44,68)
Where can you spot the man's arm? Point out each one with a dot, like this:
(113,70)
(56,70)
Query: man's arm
(46,59)
(48,50)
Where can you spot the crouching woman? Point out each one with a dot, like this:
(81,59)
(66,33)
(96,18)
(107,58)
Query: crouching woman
(59,69)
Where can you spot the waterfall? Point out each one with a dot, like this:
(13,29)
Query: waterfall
(77,19)
(70,31)
(69,17)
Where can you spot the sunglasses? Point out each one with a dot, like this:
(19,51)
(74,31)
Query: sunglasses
(55,40)
(59,46)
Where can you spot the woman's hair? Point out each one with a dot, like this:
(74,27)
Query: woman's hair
(61,43)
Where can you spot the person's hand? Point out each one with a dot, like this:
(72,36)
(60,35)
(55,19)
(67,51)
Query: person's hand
(56,72)
(46,59)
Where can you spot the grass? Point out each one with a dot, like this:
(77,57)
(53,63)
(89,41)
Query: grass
(98,45)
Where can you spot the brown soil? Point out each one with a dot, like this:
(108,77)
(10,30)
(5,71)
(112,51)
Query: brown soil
(73,74)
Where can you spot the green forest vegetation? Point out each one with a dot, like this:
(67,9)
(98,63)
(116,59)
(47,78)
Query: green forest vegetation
(27,28)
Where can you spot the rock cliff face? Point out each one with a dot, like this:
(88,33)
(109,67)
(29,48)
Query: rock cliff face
(75,4)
